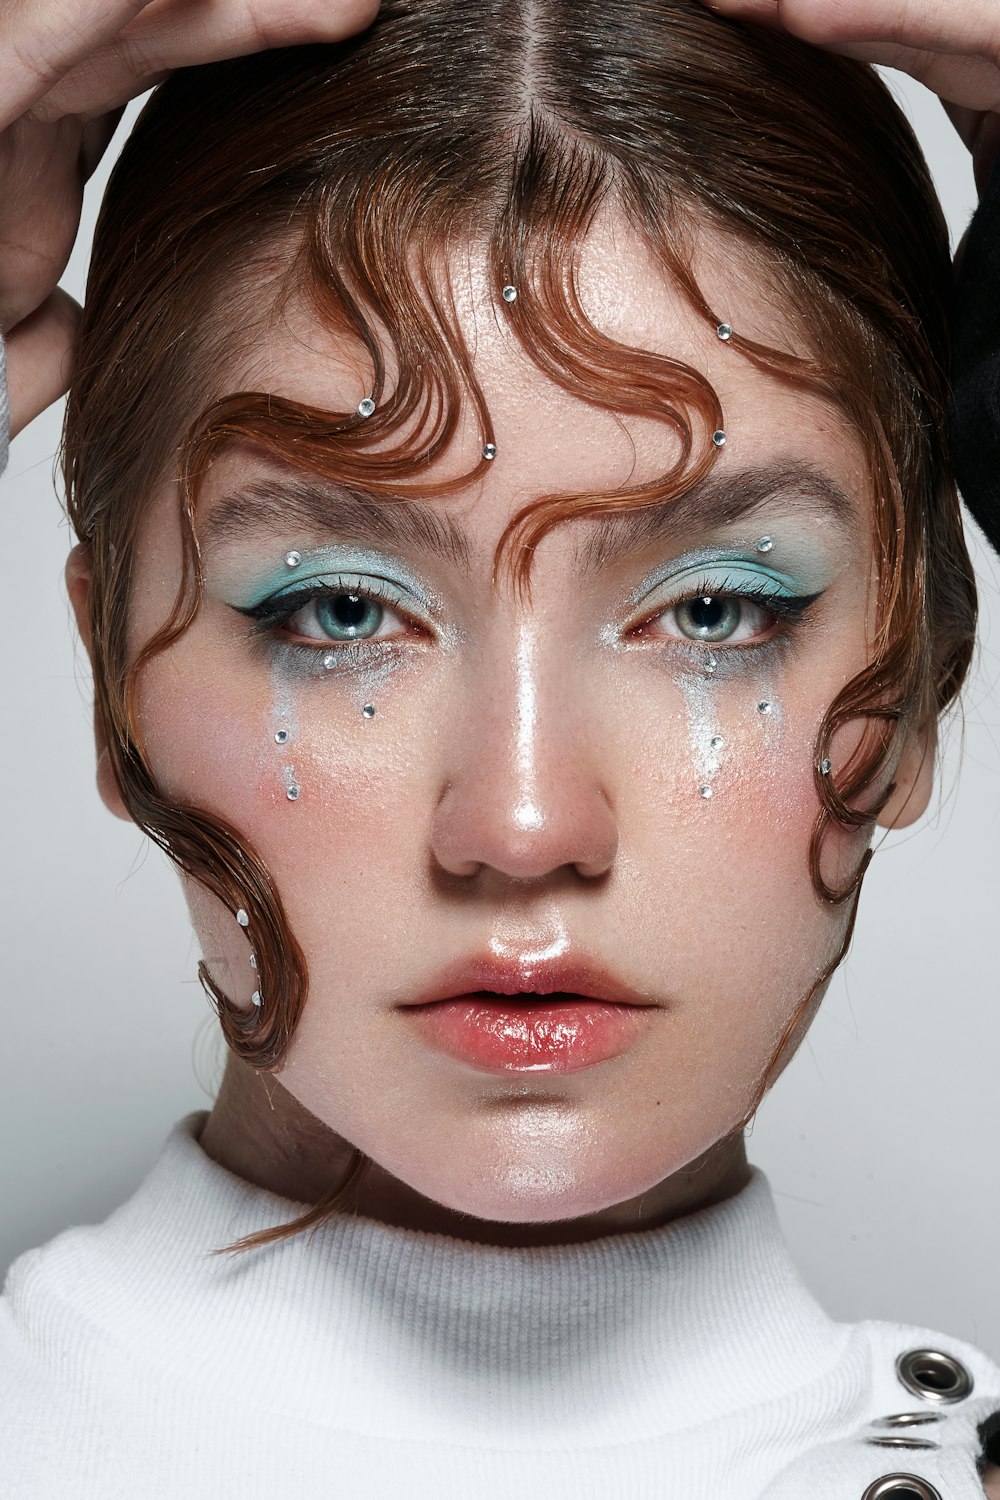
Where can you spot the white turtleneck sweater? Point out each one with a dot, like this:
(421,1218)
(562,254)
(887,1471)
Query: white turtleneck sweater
(686,1362)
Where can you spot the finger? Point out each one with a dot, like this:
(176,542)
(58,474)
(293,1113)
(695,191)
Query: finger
(971,26)
(173,34)
(40,358)
(40,40)
(961,79)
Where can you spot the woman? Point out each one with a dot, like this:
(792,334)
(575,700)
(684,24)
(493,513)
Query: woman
(521,571)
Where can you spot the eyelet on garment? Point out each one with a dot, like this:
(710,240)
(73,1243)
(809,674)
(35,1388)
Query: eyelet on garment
(901,1442)
(933,1376)
(907,1419)
(901,1487)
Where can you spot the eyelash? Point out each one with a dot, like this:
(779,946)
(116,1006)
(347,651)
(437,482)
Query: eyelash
(271,614)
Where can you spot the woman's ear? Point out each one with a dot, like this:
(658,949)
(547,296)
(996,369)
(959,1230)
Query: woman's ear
(914,779)
(79,571)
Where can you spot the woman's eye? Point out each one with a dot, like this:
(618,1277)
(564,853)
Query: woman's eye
(343,616)
(717,619)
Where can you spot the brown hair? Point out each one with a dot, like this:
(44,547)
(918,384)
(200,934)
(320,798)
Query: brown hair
(346,173)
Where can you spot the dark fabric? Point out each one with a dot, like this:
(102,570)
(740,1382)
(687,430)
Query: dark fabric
(975,404)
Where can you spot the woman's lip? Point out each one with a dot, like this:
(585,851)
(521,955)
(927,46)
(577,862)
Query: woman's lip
(532,1033)
(580,976)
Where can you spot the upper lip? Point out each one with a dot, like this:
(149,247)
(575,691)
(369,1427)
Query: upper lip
(512,976)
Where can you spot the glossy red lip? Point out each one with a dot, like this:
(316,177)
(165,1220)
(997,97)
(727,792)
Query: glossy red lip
(529,1015)
(529,977)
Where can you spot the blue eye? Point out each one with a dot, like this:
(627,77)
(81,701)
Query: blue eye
(346,613)
(728,615)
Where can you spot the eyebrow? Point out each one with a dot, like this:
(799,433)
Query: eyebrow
(277,503)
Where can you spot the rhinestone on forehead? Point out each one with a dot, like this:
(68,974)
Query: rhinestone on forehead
(764,707)
(281,736)
(292,559)
(716,742)
(366,407)
(705,791)
(509,294)
(719,438)
(293,793)
(369,710)
(489,450)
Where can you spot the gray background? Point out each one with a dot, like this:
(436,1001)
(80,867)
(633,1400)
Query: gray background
(880,1140)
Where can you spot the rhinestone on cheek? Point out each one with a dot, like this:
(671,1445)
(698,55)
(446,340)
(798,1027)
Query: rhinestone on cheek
(369,710)
(716,742)
(764,707)
(329,661)
(293,793)
(705,791)
(281,737)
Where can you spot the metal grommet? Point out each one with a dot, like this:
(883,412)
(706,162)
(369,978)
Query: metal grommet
(901,1487)
(901,1442)
(933,1376)
(907,1419)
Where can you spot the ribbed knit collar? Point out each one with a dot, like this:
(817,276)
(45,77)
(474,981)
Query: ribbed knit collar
(377,1329)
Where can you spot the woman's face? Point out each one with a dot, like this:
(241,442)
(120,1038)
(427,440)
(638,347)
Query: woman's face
(609,786)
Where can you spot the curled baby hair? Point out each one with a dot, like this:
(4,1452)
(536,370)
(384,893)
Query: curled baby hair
(346,175)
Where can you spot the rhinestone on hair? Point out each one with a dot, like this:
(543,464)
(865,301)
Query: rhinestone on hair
(719,438)
(509,294)
(242,918)
(366,407)
(724,332)
(826,767)
(255,998)
(489,450)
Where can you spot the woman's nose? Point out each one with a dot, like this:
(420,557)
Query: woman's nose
(525,789)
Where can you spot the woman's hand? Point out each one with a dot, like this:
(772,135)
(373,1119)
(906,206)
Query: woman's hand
(952,46)
(67,69)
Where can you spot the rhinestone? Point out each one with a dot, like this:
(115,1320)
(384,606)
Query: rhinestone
(292,559)
(255,998)
(826,767)
(719,438)
(509,294)
(281,737)
(765,543)
(489,450)
(293,793)
(253,960)
(716,742)
(329,661)
(711,663)
(366,407)
(242,918)
(369,710)
(705,791)
(724,332)
(764,707)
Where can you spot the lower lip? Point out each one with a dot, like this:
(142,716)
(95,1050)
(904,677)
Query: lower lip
(550,1036)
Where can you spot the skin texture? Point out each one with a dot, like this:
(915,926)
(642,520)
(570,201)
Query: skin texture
(529,782)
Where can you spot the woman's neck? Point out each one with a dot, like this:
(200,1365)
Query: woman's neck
(260,1132)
